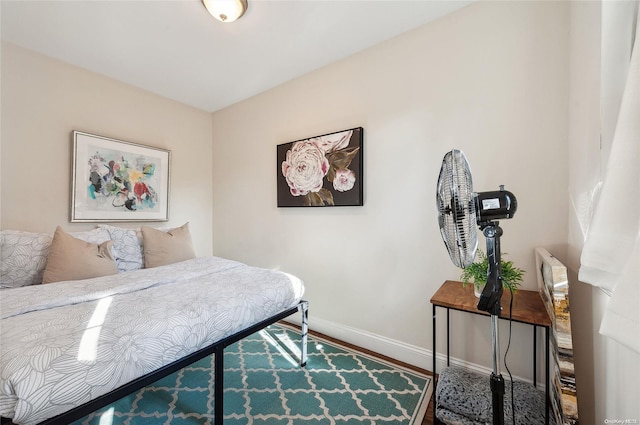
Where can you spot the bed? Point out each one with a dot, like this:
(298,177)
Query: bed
(71,347)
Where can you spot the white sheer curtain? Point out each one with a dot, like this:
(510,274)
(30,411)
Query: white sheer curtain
(611,253)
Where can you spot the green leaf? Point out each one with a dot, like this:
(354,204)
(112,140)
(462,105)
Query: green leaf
(318,199)
(339,160)
(331,174)
(326,196)
(477,272)
(312,199)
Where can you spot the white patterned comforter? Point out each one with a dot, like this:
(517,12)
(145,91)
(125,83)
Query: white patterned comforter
(65,343)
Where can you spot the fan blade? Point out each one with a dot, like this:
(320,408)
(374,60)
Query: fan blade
(456,209)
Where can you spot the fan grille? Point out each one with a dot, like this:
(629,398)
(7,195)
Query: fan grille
(456,209)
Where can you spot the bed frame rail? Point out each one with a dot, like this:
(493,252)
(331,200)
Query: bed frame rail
(217,349)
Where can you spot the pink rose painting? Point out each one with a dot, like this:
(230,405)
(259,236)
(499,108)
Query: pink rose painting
(321,171)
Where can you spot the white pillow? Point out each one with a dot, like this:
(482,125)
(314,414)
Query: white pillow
(127,247)
(96,236)
(23,256)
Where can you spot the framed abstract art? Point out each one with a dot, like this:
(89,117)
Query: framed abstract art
(115,180)
(321,171)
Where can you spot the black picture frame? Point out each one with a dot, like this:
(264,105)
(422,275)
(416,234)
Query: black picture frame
(322,171)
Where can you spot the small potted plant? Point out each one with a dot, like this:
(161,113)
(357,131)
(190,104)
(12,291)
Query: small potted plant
(476,273)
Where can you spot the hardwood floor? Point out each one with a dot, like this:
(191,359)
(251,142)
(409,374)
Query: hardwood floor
(428,417)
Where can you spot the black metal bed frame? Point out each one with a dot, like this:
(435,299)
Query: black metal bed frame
(218,390)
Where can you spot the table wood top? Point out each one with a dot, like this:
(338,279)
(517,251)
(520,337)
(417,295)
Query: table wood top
(527,305)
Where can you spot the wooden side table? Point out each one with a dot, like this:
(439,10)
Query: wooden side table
(528,308)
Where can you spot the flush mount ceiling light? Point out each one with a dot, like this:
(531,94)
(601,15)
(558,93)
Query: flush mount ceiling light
(226,10)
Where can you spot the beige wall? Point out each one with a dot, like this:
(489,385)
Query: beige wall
(44,100)
(491,80)
(498,80)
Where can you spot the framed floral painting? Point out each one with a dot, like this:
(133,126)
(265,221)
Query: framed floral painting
(321,171)
(114,180)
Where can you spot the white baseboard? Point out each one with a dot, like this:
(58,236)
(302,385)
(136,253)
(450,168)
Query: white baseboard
(411,354)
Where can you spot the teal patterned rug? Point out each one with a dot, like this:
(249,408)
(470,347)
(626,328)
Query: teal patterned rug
(264,385)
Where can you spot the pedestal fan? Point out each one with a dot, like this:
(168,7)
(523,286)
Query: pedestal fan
(460,210)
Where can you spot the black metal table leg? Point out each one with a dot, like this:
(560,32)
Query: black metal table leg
(433,393)
(218,388)
(535,352)
(546,365)
(448,352)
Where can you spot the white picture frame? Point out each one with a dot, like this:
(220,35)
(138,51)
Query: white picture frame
(115,180)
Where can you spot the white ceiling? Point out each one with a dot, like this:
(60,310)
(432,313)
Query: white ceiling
(177,50)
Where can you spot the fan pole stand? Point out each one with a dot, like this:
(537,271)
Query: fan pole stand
(490,302)
(497,382)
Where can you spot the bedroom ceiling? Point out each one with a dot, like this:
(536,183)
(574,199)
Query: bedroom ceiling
(177,50)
